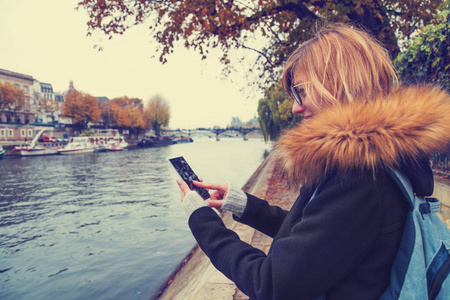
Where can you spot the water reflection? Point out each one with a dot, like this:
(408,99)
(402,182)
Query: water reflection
(103,225)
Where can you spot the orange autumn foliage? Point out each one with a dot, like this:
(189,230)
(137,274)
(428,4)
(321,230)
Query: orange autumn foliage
(270,29)
(82,108)
(123,112)
(11,97)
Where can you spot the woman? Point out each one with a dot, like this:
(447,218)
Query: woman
(358,123)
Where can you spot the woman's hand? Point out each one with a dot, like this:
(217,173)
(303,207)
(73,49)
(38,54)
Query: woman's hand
(183,187)
(220,191)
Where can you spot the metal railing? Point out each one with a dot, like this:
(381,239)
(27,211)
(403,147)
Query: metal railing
(440,163)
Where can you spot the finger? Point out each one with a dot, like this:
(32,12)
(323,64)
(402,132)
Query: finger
(214,186)
(216,206)
(215,203)
(217,195)
(183,186)
(201,180)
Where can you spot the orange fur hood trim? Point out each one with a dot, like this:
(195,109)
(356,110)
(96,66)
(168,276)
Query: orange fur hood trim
(410,122)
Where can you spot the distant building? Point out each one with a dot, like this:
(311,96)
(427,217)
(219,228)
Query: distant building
(59,98)
(47,91)
(71,87)
(24,82)
(47,105)
(13,123)
(43,107)
(100,100)
(14,132)
(235,122)
(64,94)
(253,122)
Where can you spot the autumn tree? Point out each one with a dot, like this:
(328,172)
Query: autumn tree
(113,115)
(275,113)
(6,95)
(124,112)
(121,118)
(12,98)
(82,108)
(158,112)
(136,117)
(270,28)
(147,119)
(106,114)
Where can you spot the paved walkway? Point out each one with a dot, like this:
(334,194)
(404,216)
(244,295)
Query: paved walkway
(196,278)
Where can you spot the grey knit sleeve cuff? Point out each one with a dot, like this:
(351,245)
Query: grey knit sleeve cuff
(192,201)
(235,200)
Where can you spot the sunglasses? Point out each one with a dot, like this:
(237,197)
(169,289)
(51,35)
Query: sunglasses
(296,91)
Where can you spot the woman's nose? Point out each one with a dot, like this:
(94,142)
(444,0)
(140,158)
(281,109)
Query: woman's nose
(297,109)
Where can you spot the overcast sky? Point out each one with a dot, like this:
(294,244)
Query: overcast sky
(47,40)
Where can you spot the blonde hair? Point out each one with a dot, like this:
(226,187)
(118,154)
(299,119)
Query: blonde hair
(343,64)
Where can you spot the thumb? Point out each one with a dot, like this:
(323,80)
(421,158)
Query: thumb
(215,203)
(183,186)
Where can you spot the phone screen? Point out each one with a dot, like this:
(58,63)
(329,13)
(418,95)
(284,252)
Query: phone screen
(186,173)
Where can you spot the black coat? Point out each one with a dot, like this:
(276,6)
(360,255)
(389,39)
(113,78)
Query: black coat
(340,244)
(343,242)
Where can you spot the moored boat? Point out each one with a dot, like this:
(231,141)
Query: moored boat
(34,150)
(100,148)
(99,145)
(183,140)
(147,142)
(156,142)
(166,141)
(2,151)
(39,150)
(106,139)
(19,148)
(78,145)
(115,147)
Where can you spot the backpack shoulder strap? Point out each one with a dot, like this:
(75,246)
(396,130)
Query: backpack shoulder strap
(426,206)
(404,184)
(422,264)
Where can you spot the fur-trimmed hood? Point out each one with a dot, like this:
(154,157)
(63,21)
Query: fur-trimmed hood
(408,124)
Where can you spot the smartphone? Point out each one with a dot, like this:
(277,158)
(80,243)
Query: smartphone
(186,173)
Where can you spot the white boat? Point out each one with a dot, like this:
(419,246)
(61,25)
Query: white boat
(108,139)
(100,145)
(33,150)
(2,151)
(39,150)
(115,147)
(78,145)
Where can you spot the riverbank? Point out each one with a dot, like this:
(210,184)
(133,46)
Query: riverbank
(9,148)
(195,278)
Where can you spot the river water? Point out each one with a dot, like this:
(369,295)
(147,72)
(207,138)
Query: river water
(104,225)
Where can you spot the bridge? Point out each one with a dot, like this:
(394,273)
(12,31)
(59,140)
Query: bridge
(218,131)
